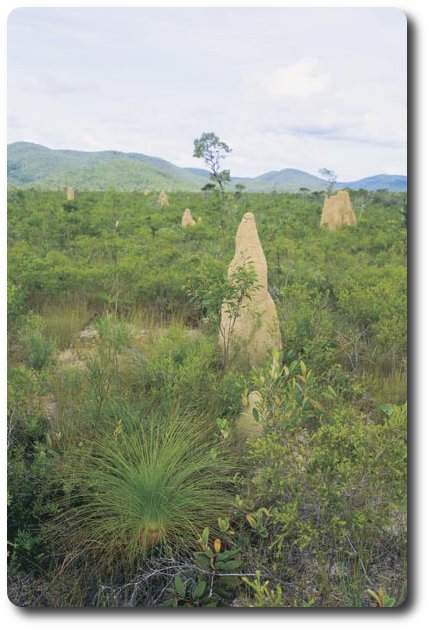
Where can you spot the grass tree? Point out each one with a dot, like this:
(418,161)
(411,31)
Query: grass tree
(147,485)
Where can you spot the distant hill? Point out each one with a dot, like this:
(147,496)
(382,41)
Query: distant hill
(35,166)
(287,180)
(394,183)
(197,171)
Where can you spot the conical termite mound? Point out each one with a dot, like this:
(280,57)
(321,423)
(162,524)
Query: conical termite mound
(163,199)
(249,324)
(187,218)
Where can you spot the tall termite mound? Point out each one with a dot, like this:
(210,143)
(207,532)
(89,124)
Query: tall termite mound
(187,218)
(70,195)
(337,211)
(163,199)
(255,332)
(349,217)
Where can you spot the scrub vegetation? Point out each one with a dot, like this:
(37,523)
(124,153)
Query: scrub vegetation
(128,485)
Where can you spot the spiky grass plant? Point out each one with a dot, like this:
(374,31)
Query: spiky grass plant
(146,487)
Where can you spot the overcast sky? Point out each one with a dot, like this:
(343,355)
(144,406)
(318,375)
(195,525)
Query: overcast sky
(299,88)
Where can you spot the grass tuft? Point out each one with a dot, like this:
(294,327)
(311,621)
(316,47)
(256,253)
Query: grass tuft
(152,485)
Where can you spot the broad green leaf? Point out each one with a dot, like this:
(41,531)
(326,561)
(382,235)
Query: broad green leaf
(202,559)
(205,535)
(199,590)
(387,409)
(179,586)
(251,520)
(225,555)
(230,565)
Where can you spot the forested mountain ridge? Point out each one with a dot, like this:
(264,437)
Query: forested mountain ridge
(36,166)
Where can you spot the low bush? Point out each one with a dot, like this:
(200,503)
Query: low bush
(36,350)
(335,480)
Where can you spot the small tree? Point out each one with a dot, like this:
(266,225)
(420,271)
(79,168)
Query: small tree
(208,187)
(212,150)
(331,178)
(230,293)
(239,190)
(238,290)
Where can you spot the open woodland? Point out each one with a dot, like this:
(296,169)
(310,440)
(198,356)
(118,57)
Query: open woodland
(129,482)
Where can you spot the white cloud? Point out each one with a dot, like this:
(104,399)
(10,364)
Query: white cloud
(299,80)
(339,107)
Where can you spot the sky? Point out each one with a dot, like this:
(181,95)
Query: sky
(285,88)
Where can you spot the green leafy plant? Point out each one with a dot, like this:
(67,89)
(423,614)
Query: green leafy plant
(214,575)
(382,599)
(264,597)
(258,521)
(224,426)
(213,557)
(37,350)
(188,595)
(323,471)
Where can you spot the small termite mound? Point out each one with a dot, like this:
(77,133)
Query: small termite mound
(163,199)
(187,218)
(337,211)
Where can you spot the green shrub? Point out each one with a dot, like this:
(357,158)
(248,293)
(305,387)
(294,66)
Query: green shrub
(115,335)
(26,415)
(15,302)
(36,350)
(335,480)
(29,501)
(263,595)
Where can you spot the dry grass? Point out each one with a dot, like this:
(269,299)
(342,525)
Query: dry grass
(390,388)
(64,320)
